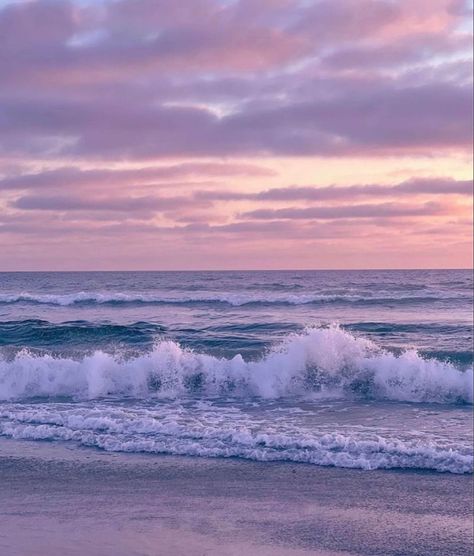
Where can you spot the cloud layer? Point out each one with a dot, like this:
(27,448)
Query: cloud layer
(156,127)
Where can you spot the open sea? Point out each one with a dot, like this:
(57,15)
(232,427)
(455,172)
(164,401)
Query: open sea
(357,369)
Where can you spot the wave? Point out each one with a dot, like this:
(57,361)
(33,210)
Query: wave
(112,431)
(233,299)
(81,336)
(325,360)
(33,332)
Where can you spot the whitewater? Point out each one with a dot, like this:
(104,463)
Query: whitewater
(362,370)
(327,361)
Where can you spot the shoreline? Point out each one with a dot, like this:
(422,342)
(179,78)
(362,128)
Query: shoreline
(58,499)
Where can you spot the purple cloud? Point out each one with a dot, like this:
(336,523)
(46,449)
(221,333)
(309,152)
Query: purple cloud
(103,105)
(427,186)
(117,204)
(144,79)
(379,210)
(73,177)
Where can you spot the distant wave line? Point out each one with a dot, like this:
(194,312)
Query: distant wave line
(236,300)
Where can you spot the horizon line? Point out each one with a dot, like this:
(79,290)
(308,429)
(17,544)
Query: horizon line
(247,270)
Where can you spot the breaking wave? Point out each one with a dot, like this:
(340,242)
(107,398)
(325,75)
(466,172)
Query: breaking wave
(121,431)
(233,299)
(329,360)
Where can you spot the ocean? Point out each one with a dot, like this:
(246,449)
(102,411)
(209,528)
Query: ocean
(356,369)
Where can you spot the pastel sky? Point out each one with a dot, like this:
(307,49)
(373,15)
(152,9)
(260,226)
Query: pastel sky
(235,134)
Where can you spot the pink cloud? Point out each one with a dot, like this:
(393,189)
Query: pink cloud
(73,177)
(102,81)
(182,91)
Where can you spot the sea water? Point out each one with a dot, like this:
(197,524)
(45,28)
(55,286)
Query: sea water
(360,369)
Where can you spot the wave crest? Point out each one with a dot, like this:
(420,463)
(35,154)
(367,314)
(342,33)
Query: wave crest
(237,299)
(320,360)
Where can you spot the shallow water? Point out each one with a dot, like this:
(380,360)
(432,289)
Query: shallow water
(356,369)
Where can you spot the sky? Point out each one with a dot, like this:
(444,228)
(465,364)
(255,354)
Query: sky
(235,134)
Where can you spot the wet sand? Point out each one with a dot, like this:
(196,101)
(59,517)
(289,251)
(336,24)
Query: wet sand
(57,500)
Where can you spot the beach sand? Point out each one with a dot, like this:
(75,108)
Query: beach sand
(62,500)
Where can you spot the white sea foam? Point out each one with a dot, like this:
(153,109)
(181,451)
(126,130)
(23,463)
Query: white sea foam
(236,299)
(171,430)
(327,360)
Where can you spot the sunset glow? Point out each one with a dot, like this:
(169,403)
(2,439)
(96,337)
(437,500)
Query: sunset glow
(225,134)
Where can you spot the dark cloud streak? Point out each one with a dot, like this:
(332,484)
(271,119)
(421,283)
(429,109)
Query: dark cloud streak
(376,210)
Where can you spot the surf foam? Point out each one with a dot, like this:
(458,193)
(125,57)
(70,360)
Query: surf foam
(331,449)
(324,360)
(233,299)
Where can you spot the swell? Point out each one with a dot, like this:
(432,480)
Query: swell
(37,332)
(233,299)
(323,360)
